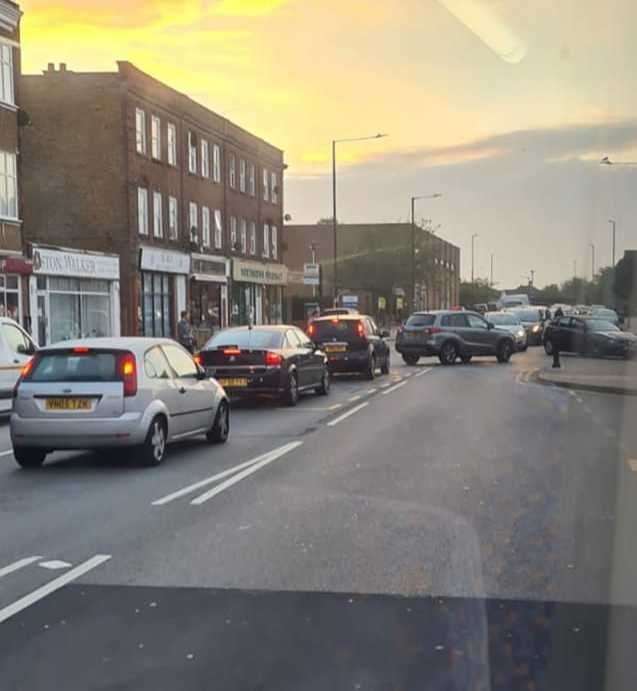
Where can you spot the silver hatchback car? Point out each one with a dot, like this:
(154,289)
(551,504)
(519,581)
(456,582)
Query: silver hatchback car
(100,393)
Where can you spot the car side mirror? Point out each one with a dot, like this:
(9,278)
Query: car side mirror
(384,333)
(201,373)
(490,325)
(25,350)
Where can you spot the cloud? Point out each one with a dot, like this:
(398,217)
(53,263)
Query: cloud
(248,8)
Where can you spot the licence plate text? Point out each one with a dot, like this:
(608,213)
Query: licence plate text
(68,404)
(236,382)
(335,349)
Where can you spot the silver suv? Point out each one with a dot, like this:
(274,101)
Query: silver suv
(452,335)
(100,393)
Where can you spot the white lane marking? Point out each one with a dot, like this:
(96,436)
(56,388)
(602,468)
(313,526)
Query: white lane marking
(632,464)
(394,388)
(354,398)
(17,565)
(423,372)
(207,481)
(270,458)
(338,406)
(349,413)
(406,376)
(7,453)
(370,392)
(54,564)
(50,587)
(384,386)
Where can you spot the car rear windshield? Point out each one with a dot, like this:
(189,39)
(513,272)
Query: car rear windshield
(74,367)
(335,328)
(246,338)
(421,320)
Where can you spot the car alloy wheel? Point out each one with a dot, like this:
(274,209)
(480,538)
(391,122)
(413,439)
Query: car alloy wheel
(448,353)
(505,352)
(548,347)
(220,430)
(324,388)
(293,391)
(411,360)
(371,368)
(158,440)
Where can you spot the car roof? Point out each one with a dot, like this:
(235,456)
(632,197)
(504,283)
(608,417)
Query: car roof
(134,343)
(260,327)
(340,317)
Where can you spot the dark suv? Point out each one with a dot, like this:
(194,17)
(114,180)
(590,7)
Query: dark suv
(451,335)
(353,343)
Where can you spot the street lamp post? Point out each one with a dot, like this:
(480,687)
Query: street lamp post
(413,241)
(473,237)
(592,262)
(613,224)
(334,222)
(491,281)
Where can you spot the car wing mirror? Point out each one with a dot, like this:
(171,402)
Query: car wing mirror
(201,373)
(490,325)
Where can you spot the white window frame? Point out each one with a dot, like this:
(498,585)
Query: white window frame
(266,240)
(233,233)
(193,220)
(172,144)
(9,185)
(274,188)
(242,175)
(142,211)
(173,218)
(232,171)
(7,74)
(253,238)
(266,185)
(216,163)
(274,240)
(252,184)
(243,234)
(158,215)
(218,229)
(140,131)
(155,137)
(205,226)
(192,153)
(205,158)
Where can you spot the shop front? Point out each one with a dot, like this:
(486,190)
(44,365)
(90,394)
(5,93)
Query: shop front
(162,290)
(208,296)
(73,294)
(257,292)
(14,273)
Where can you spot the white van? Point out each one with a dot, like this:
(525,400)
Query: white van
(16,349)
(519,300)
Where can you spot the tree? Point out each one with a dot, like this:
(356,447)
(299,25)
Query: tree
(477,292)
(626,279)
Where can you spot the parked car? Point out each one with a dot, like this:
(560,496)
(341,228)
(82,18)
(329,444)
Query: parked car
(352,343)
(606,314)
(16,349)
(452,336)
(509,322)
(100,393)
(532,319)
(273,361)
(588,336)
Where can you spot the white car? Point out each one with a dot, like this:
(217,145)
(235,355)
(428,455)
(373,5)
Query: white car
(102,393)
(16,349)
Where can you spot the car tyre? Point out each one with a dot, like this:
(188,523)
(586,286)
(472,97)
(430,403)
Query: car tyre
(153,450)
(292,393)
(370,372)
(411,360)
(220,430)
(323,388)
(466,359)
(386,364)
(548,346)
(29,458)
(505,350)
(448,353)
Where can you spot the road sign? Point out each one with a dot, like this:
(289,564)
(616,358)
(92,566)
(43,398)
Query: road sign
(311,274)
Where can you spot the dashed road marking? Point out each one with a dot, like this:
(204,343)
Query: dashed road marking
(394,388)
(269,458)
(354,398)
(384,386)
(370,392)
(423,372)
(349,413)
(50,587)
(55,564)
(337,406)
(17,565)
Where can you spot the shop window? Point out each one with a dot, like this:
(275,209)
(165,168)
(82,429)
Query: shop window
(80,308)
(9,297)
(157,302)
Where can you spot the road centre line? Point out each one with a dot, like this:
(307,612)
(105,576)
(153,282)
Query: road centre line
(7,453)
(394,388)
(423,372)
(337,406)
(370,392)
(50,587)
(384,386)
(349,413)
(354,398)
(17,565)
(270,458)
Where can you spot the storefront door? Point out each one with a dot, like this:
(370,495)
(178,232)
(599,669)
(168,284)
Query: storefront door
(157,304)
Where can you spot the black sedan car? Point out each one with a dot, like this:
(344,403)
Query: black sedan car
(273,361)
(588,336)
(353,343)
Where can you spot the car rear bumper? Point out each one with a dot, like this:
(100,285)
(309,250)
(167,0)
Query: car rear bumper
(420,349)
(264,383)
(91,433)
(350,361)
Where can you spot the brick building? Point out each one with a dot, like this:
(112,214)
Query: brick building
(14,270)
(374,264)
(141,203)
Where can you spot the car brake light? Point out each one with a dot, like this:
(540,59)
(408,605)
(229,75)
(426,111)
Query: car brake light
(232,351)
(335,320)
(360,329)
(273,359)
(80,349)
(197,359)
(433,330)
(128,371)
(24,373)
(311,330)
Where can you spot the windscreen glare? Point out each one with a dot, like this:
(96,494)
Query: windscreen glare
(71,367)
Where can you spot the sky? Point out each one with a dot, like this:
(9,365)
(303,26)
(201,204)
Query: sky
(504,107)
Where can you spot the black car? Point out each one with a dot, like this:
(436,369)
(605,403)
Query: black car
(588,336)
(353,343)
(278,361)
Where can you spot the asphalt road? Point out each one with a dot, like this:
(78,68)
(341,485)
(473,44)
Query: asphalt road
(443,528)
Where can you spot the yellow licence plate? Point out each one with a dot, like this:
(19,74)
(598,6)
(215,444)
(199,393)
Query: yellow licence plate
(233,383)
(68,404)
(335,349)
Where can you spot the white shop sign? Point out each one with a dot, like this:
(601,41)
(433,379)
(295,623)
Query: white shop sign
(76,264)
(311,274)
(164,261)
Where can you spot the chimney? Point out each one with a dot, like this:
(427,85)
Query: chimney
(50,67)
(62,67)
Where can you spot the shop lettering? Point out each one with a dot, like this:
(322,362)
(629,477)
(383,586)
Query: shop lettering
(255,274)
(67,264)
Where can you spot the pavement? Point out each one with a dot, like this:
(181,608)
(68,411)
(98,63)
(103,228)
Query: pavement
(605,375)
(439,528)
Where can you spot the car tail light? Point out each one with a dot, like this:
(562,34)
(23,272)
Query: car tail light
(360,329)
(81,350)
(433,330)
(232,351)
(273,359)
(24,373)
(197,358)
(311,329)
(127,367)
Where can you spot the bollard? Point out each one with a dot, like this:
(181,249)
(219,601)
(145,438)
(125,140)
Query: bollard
(556,359)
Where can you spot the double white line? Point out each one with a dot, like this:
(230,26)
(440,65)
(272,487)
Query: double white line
(235,474)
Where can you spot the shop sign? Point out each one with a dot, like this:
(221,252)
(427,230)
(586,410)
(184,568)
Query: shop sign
(15,265)
(382,303)
(208,269)
(311,274)
(255,272)
(164,261)
(349,300)
(76,264)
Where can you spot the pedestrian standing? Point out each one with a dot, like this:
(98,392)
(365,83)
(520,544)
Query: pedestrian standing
(184,332)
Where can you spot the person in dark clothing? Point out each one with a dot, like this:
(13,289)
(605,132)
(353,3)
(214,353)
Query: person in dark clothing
(184,332)
(559,312)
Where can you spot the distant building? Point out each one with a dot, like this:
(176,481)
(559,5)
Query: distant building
(141,203)
(374,263)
